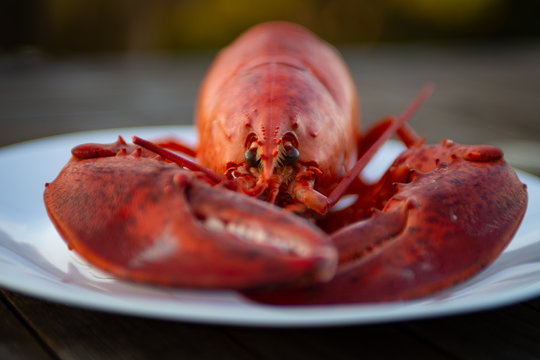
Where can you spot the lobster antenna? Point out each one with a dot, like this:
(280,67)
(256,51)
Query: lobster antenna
(344,184)
(177,159)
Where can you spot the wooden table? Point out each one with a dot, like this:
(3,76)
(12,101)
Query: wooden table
(486,93)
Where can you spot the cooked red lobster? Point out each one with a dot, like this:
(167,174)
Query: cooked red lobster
(279,146)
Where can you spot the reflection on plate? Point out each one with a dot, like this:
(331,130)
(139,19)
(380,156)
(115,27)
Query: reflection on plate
(34,260)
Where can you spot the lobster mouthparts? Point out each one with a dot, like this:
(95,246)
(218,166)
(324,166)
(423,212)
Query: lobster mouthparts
(144,219)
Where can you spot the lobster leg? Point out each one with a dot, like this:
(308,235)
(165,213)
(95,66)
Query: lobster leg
(377,137)
(456,212)
(142,218)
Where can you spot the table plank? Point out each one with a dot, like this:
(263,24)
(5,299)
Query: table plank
(351,342)
(506,333)
(509,333)
(16,340)
(534,304)
(74,333)
(82,334)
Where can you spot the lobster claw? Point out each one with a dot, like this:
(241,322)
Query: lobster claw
(441,227)
(144,219)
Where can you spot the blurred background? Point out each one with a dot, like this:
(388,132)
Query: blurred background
(72,65)
(81,26)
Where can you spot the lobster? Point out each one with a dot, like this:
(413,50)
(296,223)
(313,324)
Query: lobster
(253,208)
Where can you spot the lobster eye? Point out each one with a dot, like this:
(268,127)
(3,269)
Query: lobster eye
(251,157)
(291,155)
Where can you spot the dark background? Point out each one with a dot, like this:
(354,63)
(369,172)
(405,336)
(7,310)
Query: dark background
(82,26)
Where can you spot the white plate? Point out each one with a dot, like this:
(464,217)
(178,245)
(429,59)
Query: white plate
(34,259)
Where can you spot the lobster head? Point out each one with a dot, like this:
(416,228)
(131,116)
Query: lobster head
(271,137)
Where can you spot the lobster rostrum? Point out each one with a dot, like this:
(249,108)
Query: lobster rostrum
(277,120)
